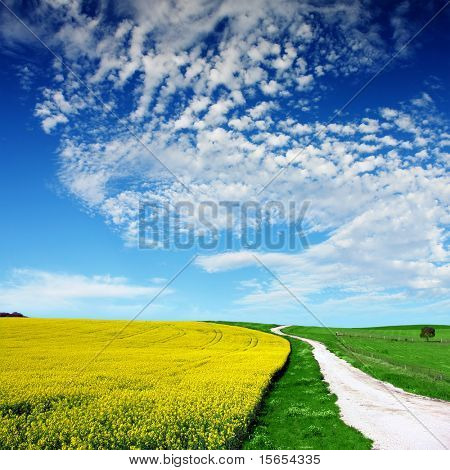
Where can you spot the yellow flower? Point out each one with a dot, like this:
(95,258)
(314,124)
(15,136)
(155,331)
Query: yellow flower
(158,385)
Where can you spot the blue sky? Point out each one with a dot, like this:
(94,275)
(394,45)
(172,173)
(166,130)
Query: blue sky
(226,95)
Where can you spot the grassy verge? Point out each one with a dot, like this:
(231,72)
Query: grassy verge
(298,411)
(389,354)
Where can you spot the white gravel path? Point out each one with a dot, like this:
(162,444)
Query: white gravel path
(391,417)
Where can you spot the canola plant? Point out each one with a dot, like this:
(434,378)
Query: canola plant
(91,384)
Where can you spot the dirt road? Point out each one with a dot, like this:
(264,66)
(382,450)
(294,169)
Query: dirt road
(391,417)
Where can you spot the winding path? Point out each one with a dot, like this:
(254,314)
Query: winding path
(391,417)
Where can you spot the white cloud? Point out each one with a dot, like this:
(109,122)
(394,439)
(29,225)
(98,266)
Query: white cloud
(305,81)
(240,124)
(405,123)
(277,140)
(253,75)
(388,113)
(388,140)
(424,100)
(368,126)
(260,109)
(225,261)
(305,31)
(199,106)
(391,246)
(270,88)
(44,292)
(301,128)
(421,154)
(49,123)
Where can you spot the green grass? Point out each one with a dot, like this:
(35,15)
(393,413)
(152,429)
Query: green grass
(298,411)
(403,332)
(394,354)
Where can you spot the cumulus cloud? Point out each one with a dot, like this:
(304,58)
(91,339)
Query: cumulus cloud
(392,248)
(225,94)
(305,81)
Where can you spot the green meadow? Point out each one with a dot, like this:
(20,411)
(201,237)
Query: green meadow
(395,354)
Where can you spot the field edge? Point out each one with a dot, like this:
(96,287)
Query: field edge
(297,410)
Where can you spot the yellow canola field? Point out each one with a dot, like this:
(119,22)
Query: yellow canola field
(158,385)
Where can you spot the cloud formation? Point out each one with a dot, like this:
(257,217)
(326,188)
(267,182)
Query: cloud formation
(50,293)
(226,94)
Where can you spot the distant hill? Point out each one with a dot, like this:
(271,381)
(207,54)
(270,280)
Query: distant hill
(14,314)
